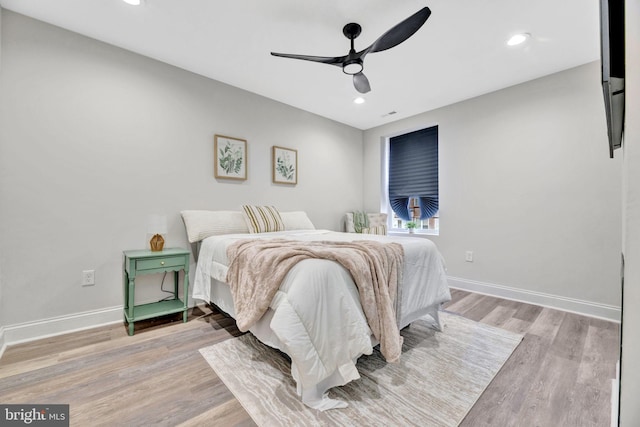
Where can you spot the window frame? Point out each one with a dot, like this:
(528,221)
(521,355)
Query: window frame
(385,205)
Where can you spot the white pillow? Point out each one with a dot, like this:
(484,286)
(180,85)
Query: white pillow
(377,219)
(377,223)
(296,221)
(349,225)
(202,224)
(262,219)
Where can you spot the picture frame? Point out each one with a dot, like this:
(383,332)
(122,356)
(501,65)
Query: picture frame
(229,158)
(284,166)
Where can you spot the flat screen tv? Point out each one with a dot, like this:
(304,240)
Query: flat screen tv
(612,55)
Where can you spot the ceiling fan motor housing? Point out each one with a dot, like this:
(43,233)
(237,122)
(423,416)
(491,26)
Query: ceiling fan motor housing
(352,30)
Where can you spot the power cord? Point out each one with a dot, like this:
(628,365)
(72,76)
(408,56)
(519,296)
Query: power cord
(173,295)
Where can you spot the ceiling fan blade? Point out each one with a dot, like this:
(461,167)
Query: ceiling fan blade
(400,32)
(361,83)
(322,59)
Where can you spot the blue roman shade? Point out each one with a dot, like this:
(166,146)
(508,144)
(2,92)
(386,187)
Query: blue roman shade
(413,172)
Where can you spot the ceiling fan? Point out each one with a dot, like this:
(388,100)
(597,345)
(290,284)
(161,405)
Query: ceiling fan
(352,63)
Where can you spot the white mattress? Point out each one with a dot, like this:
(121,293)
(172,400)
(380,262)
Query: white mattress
(423,264)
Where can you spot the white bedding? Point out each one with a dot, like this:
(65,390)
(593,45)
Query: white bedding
(316,317)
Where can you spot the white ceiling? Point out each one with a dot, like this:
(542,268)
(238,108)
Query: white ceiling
(459,53)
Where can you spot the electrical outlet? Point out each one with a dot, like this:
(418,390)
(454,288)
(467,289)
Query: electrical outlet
(88,277)
(468,256)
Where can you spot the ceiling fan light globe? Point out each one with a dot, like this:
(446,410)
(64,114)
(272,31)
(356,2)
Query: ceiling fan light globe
(352,67)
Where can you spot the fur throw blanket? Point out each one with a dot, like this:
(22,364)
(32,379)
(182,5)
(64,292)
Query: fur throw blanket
(258,266)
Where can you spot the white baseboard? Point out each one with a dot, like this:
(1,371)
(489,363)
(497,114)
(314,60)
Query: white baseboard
(29,331)
(38,329)
(586,308)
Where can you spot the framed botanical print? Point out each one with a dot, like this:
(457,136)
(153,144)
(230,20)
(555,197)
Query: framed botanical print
(230,157)
(285,165)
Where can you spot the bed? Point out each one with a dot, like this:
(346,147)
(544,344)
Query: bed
(315,316)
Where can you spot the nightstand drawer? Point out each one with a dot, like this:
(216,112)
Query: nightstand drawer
(150,264)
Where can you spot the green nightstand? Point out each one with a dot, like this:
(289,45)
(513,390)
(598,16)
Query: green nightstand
(147,262)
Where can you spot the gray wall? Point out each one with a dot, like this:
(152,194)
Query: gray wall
(630,382)
(526,183)
(94,138)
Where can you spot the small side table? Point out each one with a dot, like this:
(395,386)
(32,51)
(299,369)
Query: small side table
(139,262)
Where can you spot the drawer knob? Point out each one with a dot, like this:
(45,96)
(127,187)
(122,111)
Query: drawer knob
(161,262)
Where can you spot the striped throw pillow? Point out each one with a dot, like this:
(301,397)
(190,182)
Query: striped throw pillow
(262,219)
(376,229)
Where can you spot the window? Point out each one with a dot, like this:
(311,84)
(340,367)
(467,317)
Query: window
(413,180)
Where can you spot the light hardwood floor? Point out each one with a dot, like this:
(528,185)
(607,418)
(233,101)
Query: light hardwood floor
(560,375)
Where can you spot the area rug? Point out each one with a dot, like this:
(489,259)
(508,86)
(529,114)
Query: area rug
(438,379)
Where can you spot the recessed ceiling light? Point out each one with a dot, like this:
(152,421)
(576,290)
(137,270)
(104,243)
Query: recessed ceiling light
(359,100)
(518,39)
(133,2)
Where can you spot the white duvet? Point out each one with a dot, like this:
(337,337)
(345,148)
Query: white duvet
(316,317)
